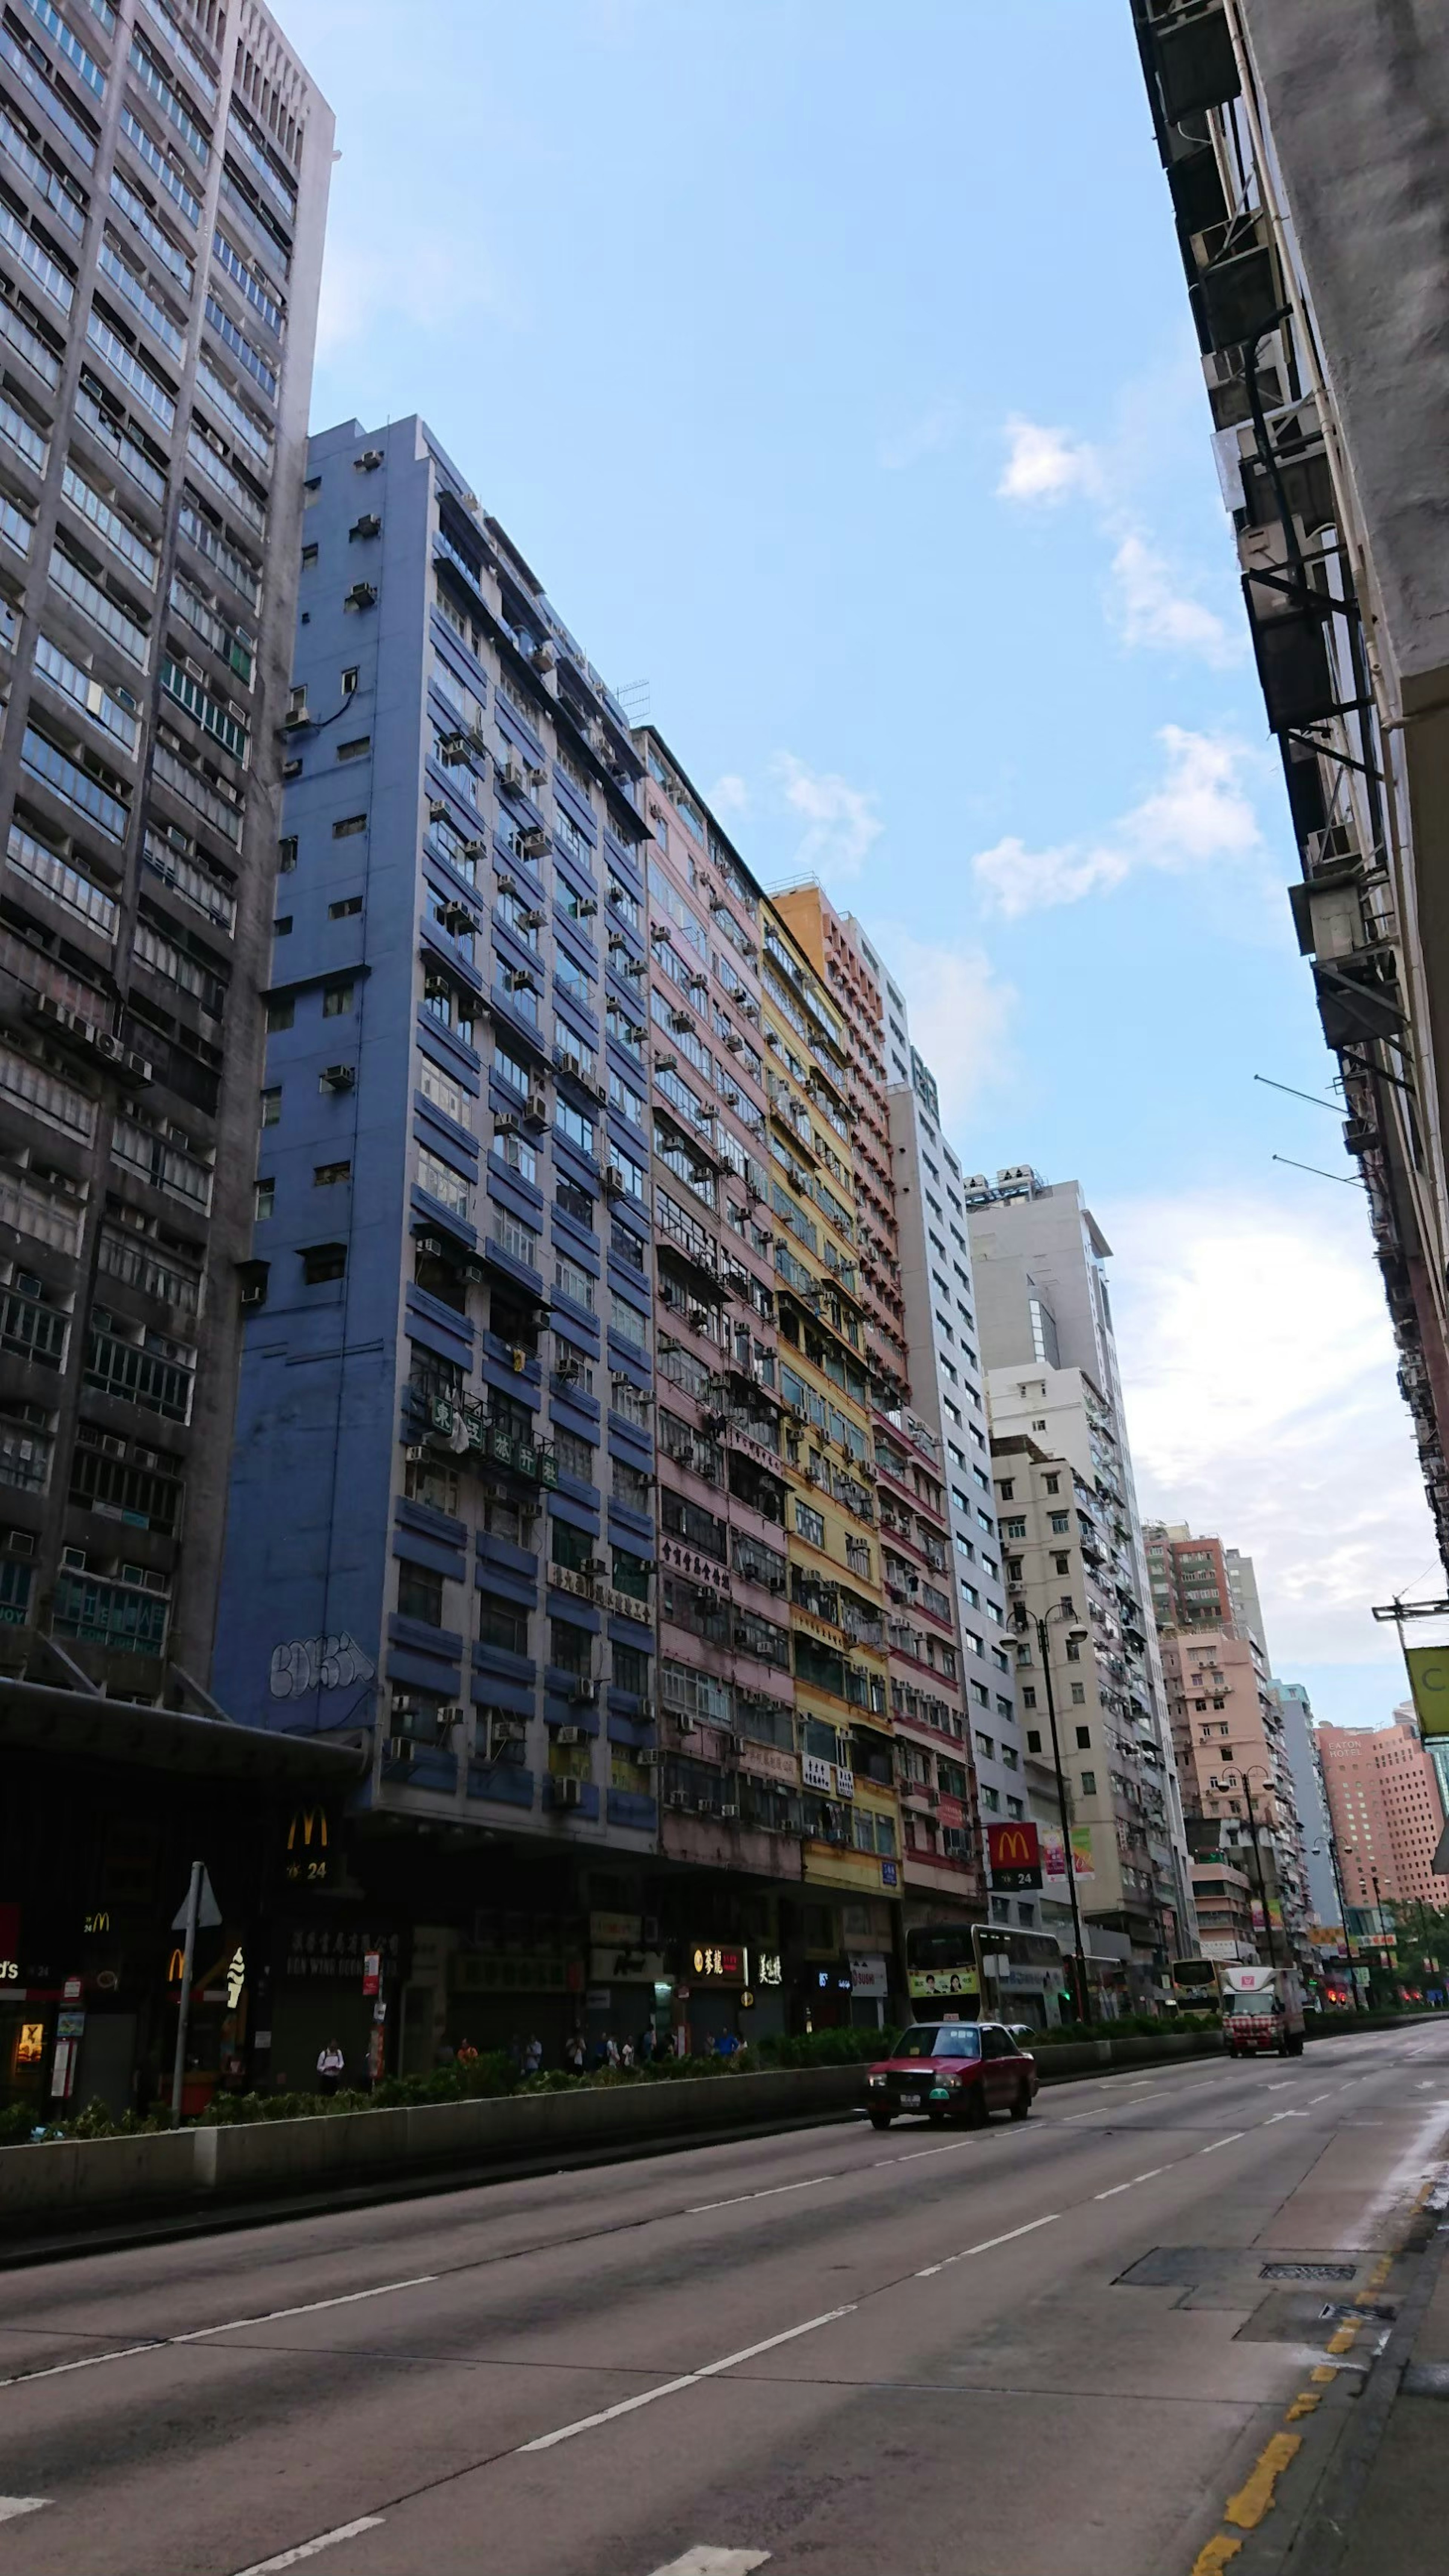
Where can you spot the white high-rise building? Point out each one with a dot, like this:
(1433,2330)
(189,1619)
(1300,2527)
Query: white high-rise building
(1054,1395)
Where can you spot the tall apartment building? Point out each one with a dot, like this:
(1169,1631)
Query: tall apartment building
(442,1492)
(947,1403)
(1075,1557)
(838,1503)
(1315,1822)
(164,172)
(1229,1731)
(1230,1745)
(1302,146)
(930,1696)
(1383,1796)
(729,1774)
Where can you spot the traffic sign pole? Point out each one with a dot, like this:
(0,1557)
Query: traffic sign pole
(183,2014)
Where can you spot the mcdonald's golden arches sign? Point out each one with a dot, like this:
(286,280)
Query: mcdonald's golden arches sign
(308,1856)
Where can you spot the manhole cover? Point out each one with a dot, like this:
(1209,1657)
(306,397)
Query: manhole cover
(1307,2272)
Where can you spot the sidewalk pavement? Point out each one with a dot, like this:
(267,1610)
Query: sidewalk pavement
(1383,2506)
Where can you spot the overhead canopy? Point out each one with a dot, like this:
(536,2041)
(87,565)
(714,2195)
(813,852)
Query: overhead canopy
(48,1720)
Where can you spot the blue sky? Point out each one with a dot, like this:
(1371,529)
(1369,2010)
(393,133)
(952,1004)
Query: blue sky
(830,363)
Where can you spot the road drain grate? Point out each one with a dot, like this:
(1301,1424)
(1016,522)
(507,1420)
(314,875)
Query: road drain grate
(1307,2272)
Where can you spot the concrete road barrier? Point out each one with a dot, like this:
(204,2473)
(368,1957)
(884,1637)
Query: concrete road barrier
(81,2180)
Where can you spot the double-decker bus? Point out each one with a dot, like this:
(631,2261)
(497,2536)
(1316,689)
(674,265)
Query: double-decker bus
(985,1968)
(1197,1984)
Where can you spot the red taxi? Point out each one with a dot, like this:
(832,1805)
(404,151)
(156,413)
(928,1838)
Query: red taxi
(952,2070)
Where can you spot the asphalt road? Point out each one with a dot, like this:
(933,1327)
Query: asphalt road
(1046,2349)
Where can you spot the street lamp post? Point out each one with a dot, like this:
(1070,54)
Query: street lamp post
(1342,1912)
(1258,1856)
(1043,1638)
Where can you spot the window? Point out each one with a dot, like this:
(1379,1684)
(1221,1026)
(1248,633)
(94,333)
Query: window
(1028,1696)
(502,1623)
(570,1648)
(572,1123)
(328,1176)
(510,1070)
(266,1200)
(282,926)
(518,1240)
(287,854)
(349,681)
(1060,1524)
(444,1093)
(1084,1739)
(336,1001)
(1033,1735)
(357,749)
(519,1156)
(575,1283)
(420,1595)
(281,1013)
(573,1456)
(810,1523)
(349,824)
(630,1670)
(1013,1529)
(1079,1695)
(309,557)
(857,1557)
(346,909)
(324,1261)
(574,1202)
(442,1183)
(1089,1784)
(1052,1485)
(626,1321)
(271,1104)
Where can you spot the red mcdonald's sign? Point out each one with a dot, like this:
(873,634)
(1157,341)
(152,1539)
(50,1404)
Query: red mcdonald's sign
(1014,1851)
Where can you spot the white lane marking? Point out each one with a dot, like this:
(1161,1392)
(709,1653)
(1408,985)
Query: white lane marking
(1283,2081)
(1150,2176)
(92,2361)
(309,2548)
(714,2562)
(1321,2097)
(1073,2116)
(773,2192)
(308,2308)
(1283,2115)
(931,2269)
(1229,2141)
(671,2387)
(10,2506)
(199,2334)
(954,2149)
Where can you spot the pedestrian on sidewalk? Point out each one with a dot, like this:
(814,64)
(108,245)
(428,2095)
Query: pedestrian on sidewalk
(532,2055)
(574,2052)
(330,2063)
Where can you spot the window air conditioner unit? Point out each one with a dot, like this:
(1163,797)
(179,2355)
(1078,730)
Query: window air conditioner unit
(569,1735)
(398,1748)
(677,1798)
(415,1453)
(648,1757)
(369,461)
(339,1077)
(614,1181)
(363,594)
(728,1814)
(296,714)
(568,1793)
(585,1693)
(369,525)
(534,842)
(686,1725)
(537,1113)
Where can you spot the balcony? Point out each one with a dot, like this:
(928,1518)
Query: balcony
(72,785)
(36,1214)
(117,1616)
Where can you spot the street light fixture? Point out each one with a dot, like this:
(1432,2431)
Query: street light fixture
(1076,1636)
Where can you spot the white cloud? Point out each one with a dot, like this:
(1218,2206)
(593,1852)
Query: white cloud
(1045,464)
(1150,609)
(729,795)
(1199,813)
(1258,1366)
(841,823)
(381,266)
(1147,601)
(936,429)
(959,1014)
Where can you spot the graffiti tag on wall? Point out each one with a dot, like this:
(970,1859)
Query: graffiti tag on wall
(318,1663)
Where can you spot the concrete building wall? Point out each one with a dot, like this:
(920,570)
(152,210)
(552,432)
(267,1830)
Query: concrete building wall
(1384,1800)
(1052,1377)
(1301,1745)
(161,275)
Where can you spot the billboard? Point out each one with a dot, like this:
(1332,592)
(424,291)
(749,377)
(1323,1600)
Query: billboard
(1054,1866)
(1429,1682)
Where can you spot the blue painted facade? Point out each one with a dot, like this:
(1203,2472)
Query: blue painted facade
(441,1519)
